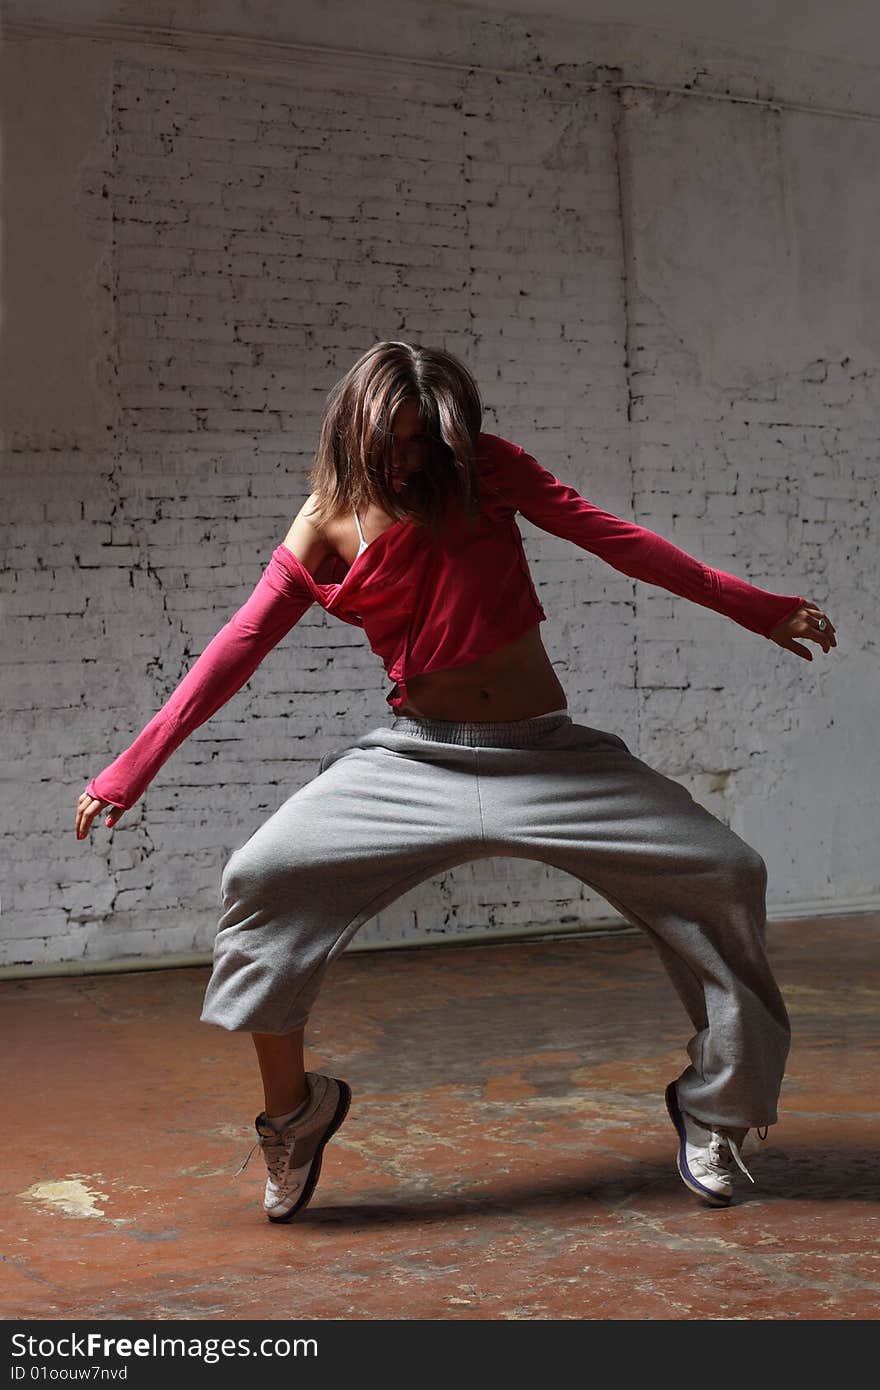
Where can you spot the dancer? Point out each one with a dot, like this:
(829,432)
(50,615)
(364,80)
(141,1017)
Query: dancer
(409,532)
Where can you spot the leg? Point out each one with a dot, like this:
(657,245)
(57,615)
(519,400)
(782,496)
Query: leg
(371,825)
(282,1068)
(585,804)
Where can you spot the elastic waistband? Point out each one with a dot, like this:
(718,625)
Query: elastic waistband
(512,733)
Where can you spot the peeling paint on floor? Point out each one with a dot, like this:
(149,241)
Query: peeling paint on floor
(69,1196)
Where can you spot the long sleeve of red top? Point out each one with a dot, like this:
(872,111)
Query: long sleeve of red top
(558,508)
(229,660)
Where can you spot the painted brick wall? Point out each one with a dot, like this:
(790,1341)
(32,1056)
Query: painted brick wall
(252,234)
(755,397)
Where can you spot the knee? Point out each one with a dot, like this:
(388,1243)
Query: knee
(745,866)
(239,878)
(257,875)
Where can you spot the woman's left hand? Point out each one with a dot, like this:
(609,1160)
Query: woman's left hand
(805,622)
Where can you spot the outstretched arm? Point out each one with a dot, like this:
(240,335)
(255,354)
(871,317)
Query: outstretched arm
(229,660)
(642,554)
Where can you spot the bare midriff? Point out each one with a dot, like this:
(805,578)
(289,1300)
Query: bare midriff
(516,681)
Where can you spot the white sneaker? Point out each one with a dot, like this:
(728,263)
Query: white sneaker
(706,1153)
(293,1157)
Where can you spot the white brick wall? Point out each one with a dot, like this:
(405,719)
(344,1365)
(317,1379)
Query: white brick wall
(632,316)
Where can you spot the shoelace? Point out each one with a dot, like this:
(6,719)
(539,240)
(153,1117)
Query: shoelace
(719,1142)
(247,1160)
(277,1158)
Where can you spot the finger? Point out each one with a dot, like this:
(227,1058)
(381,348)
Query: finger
(86,814)
(799,650)
(829,631)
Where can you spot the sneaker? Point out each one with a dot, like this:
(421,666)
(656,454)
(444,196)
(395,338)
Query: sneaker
(293,1157)
(706,1153)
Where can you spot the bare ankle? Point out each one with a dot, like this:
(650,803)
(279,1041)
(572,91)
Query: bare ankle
(283,1102)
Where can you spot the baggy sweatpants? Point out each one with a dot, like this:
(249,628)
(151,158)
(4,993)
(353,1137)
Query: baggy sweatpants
(407,801)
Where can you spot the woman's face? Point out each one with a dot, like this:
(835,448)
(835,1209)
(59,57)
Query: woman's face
(408,435)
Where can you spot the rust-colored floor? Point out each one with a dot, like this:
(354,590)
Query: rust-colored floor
(507,1154)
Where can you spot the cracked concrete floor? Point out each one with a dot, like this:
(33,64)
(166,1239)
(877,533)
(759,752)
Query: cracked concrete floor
(507,1154)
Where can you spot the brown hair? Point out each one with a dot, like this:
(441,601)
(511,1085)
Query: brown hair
(352,465)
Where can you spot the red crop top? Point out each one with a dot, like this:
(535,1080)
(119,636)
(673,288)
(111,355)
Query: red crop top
(431,605)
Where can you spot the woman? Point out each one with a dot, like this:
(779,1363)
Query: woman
(410,533)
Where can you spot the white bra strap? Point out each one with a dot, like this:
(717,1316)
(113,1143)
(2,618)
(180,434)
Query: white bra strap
(360,532)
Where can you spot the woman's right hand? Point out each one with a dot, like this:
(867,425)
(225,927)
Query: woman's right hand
(90,806)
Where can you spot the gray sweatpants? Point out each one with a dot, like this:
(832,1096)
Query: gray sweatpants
(408,801)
